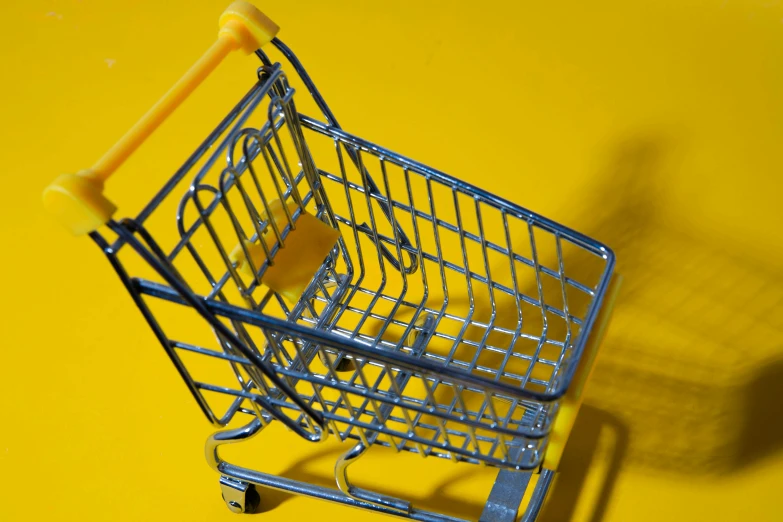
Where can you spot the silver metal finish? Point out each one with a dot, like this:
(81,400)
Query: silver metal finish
(331,495)
(506,496)
(445,321)
(234,493)
(341,475)
(539,495)
(509,490)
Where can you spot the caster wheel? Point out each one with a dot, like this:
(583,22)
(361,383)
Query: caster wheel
(248,501)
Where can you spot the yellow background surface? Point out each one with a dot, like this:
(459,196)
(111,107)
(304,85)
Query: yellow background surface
(655,126)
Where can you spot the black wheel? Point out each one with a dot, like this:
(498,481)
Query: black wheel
(252,500)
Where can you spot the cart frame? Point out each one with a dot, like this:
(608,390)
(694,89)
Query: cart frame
(270,388)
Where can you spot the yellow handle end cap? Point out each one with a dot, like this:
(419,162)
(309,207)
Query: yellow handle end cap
(247,26)
(77,201)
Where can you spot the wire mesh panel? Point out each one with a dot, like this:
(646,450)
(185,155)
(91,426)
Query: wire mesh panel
(437,319)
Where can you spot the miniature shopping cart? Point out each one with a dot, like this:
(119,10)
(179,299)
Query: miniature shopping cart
(296,273)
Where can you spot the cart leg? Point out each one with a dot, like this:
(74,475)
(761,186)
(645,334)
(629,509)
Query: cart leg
(545,479)
(341,475)
(508,492)
(240,496)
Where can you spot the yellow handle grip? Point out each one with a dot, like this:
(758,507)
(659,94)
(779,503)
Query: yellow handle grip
(77,200)
(572,401)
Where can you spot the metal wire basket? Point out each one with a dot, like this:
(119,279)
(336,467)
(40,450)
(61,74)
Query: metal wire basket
(344,289)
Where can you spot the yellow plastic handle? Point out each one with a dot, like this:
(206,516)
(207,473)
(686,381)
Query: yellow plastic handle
(572,401)
(77,200)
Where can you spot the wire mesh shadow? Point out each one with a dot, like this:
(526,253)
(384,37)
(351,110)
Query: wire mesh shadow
(692,363)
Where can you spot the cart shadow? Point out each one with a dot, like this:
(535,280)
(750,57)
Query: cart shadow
(690,375)
(602,443)
(693,362)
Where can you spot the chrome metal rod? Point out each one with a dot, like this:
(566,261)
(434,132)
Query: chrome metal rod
(219,438)
(359,494)
(320,492)
(539,495)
